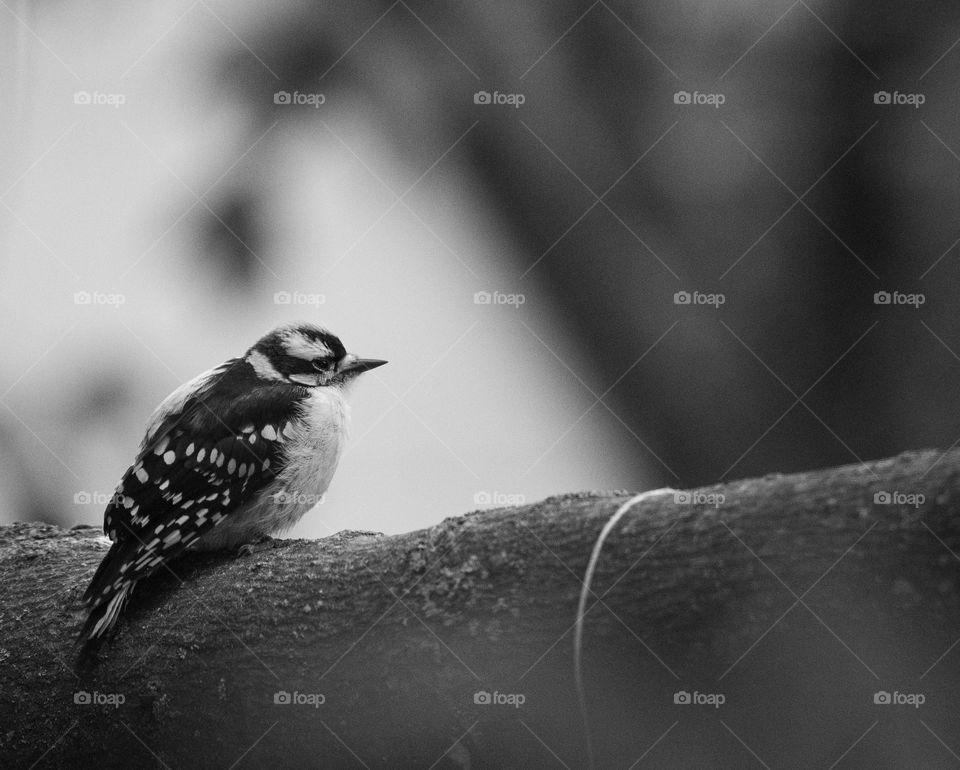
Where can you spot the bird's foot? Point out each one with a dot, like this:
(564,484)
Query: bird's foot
(249,549)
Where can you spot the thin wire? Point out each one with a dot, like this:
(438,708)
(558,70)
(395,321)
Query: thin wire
(587,580)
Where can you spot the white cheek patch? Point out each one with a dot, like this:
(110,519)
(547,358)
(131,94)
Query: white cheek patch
(262,366)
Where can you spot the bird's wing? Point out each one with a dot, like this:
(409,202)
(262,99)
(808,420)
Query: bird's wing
(198,464)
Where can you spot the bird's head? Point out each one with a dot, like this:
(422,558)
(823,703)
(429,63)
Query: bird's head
(308,355)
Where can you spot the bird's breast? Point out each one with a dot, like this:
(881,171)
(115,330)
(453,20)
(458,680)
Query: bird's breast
(316,443)
(313,442)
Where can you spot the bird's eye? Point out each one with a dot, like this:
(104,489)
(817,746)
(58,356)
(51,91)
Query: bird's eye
(322,364)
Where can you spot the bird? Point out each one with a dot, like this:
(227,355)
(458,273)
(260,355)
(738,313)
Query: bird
(236,454)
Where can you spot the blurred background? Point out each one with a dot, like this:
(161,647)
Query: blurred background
(604,245)
(607,245)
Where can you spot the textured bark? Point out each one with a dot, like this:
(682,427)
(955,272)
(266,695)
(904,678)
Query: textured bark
(399,633)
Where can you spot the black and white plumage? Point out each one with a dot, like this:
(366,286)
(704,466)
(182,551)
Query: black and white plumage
(239,452)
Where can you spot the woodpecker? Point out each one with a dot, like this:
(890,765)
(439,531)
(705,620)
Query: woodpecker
(240,452)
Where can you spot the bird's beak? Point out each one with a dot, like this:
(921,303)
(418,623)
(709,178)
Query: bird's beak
(350,364)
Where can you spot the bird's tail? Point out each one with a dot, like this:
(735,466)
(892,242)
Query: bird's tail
(102,618)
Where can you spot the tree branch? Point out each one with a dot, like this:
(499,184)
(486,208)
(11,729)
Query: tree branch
(795,598)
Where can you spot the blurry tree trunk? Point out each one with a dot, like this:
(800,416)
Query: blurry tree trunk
(692,199)
(789,595)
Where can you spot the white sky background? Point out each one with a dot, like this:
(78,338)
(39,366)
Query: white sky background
(95,200)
